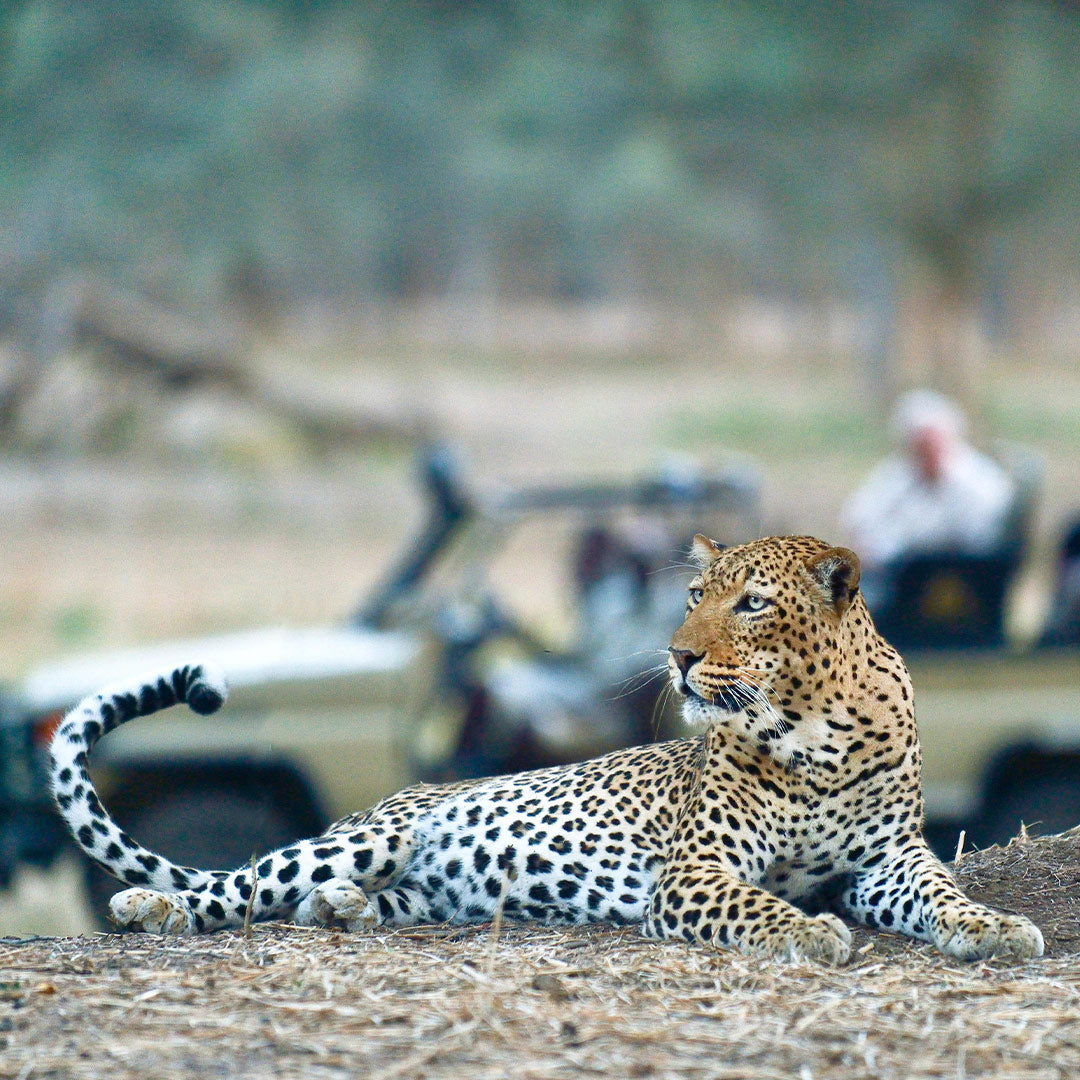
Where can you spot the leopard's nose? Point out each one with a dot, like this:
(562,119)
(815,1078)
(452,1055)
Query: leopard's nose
(685,659)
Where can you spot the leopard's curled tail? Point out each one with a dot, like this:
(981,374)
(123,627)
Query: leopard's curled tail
(203,690)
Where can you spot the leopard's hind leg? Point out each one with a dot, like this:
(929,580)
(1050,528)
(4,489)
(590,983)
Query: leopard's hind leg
(367,860)
(346,905)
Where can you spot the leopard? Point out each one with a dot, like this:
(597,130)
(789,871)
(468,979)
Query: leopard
(790,810)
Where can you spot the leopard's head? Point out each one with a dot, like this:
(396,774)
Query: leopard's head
(765,632)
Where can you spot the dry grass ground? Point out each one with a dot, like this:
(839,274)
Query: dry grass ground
(524,1002)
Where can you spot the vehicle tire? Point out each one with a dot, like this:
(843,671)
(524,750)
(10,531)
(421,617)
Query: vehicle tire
(209,826)
(1046,802)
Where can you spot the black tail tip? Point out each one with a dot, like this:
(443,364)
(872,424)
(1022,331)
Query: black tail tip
(206,691)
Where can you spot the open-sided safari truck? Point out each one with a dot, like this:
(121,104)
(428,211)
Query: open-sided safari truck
(443,672)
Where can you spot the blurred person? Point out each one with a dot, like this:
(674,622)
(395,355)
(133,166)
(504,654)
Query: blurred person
(937,494)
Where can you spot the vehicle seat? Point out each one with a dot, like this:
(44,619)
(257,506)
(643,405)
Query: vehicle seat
(947,600)
(1027,470)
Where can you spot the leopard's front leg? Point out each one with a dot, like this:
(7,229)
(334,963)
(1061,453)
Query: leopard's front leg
(911,892)
(706,903)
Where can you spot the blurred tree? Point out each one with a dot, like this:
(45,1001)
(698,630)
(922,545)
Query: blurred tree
(340,151)
(984,135)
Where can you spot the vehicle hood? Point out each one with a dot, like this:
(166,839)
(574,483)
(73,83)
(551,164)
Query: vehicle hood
(248,658)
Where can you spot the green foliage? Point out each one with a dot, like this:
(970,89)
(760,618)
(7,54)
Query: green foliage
(77,624)
(1043,422)
(769,430)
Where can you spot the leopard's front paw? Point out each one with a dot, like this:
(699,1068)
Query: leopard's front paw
(340,903)
(822,937)
(982,933)
(151,912)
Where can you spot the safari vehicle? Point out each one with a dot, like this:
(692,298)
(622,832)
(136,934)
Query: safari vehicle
(434,677)
(999,721)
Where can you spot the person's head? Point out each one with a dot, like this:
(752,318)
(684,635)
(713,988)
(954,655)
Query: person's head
(929,427)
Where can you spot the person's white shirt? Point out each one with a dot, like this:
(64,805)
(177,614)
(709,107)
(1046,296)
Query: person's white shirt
(898,512)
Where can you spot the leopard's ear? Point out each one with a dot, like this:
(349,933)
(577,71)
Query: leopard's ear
(705,551)
(835,572)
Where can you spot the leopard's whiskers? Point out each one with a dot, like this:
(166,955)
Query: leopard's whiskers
(665,695)
(760,692)
(639,680)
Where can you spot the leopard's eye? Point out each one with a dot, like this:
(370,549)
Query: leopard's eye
(695,595)
(752,603)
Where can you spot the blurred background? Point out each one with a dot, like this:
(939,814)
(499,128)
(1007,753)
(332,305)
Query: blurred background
(257,255)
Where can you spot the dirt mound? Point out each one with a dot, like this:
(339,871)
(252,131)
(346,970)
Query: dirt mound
(1037,877)
(440,1002)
